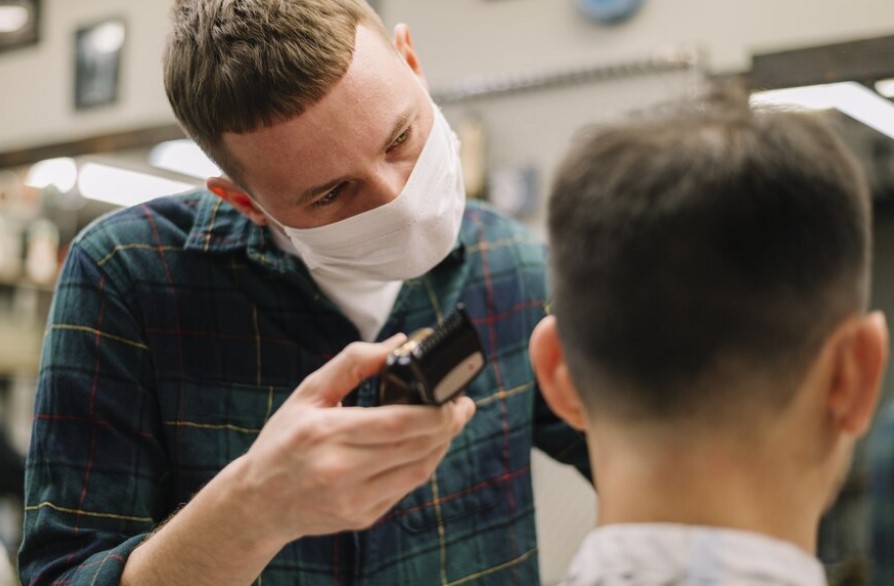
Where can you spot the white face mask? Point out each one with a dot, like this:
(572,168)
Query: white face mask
(404,238)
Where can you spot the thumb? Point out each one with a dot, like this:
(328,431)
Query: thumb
(328,385)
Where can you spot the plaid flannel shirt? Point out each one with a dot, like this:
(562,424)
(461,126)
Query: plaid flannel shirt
(178,327)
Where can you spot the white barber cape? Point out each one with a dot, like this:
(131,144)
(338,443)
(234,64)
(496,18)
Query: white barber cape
(688,555)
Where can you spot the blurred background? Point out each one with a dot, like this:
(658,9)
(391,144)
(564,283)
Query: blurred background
(85,128)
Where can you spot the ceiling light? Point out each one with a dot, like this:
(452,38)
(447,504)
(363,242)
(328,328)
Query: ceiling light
(123,187)
(851,98)
(62,173)
(185,157)
(885,87)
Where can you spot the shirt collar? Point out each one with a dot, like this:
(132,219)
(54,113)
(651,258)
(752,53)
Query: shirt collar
(220,228)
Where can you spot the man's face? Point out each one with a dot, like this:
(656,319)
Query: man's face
(350,152)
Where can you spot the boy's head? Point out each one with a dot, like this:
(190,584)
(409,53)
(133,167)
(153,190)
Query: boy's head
(708,262)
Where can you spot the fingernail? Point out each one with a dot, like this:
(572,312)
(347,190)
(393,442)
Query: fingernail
(400,336)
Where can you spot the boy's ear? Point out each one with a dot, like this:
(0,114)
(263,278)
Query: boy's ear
(859,356)
(553,376)
(404,45)
(234,195)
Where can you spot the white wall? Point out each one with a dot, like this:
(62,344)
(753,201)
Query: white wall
(474,37)
(456,39)
(38,96)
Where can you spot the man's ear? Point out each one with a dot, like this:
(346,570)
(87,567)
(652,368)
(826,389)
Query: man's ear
(235,196)
(859,357)
(404,45)
(553,376)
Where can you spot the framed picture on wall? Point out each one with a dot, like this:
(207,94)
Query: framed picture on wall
(19,23)
(98,49)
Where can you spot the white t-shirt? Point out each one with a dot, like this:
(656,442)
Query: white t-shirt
(366,303)
(689,555)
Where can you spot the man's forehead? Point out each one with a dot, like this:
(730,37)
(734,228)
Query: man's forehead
(354,118)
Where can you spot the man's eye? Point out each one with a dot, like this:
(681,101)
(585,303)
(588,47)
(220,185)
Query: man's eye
(329,197)
(401,138)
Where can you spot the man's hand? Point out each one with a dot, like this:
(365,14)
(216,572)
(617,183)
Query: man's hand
(315,468)
(318,468)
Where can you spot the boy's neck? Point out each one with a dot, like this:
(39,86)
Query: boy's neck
(705,482)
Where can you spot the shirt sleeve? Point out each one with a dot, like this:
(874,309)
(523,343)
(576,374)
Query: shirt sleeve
(97,468)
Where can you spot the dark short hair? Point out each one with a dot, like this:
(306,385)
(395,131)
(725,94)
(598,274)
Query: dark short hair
(241,65)
(701,249)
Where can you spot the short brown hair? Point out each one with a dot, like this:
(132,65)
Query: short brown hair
(702,255)
(240,65)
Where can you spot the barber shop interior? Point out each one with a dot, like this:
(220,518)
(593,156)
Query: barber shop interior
(480,292)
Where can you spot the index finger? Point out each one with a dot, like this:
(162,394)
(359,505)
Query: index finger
(328,385)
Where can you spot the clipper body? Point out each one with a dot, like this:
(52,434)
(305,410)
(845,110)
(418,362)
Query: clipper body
(434,365)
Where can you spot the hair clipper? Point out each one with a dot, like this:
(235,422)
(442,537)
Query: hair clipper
(434,365)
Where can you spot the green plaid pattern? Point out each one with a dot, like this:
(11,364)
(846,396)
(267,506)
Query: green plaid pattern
(178,327)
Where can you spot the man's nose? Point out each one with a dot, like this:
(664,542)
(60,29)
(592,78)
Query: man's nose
(386,184)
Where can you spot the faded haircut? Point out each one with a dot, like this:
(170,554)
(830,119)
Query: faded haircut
(701,254)
(242,65)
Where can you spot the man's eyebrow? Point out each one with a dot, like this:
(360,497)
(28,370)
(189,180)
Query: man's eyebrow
(399,126)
